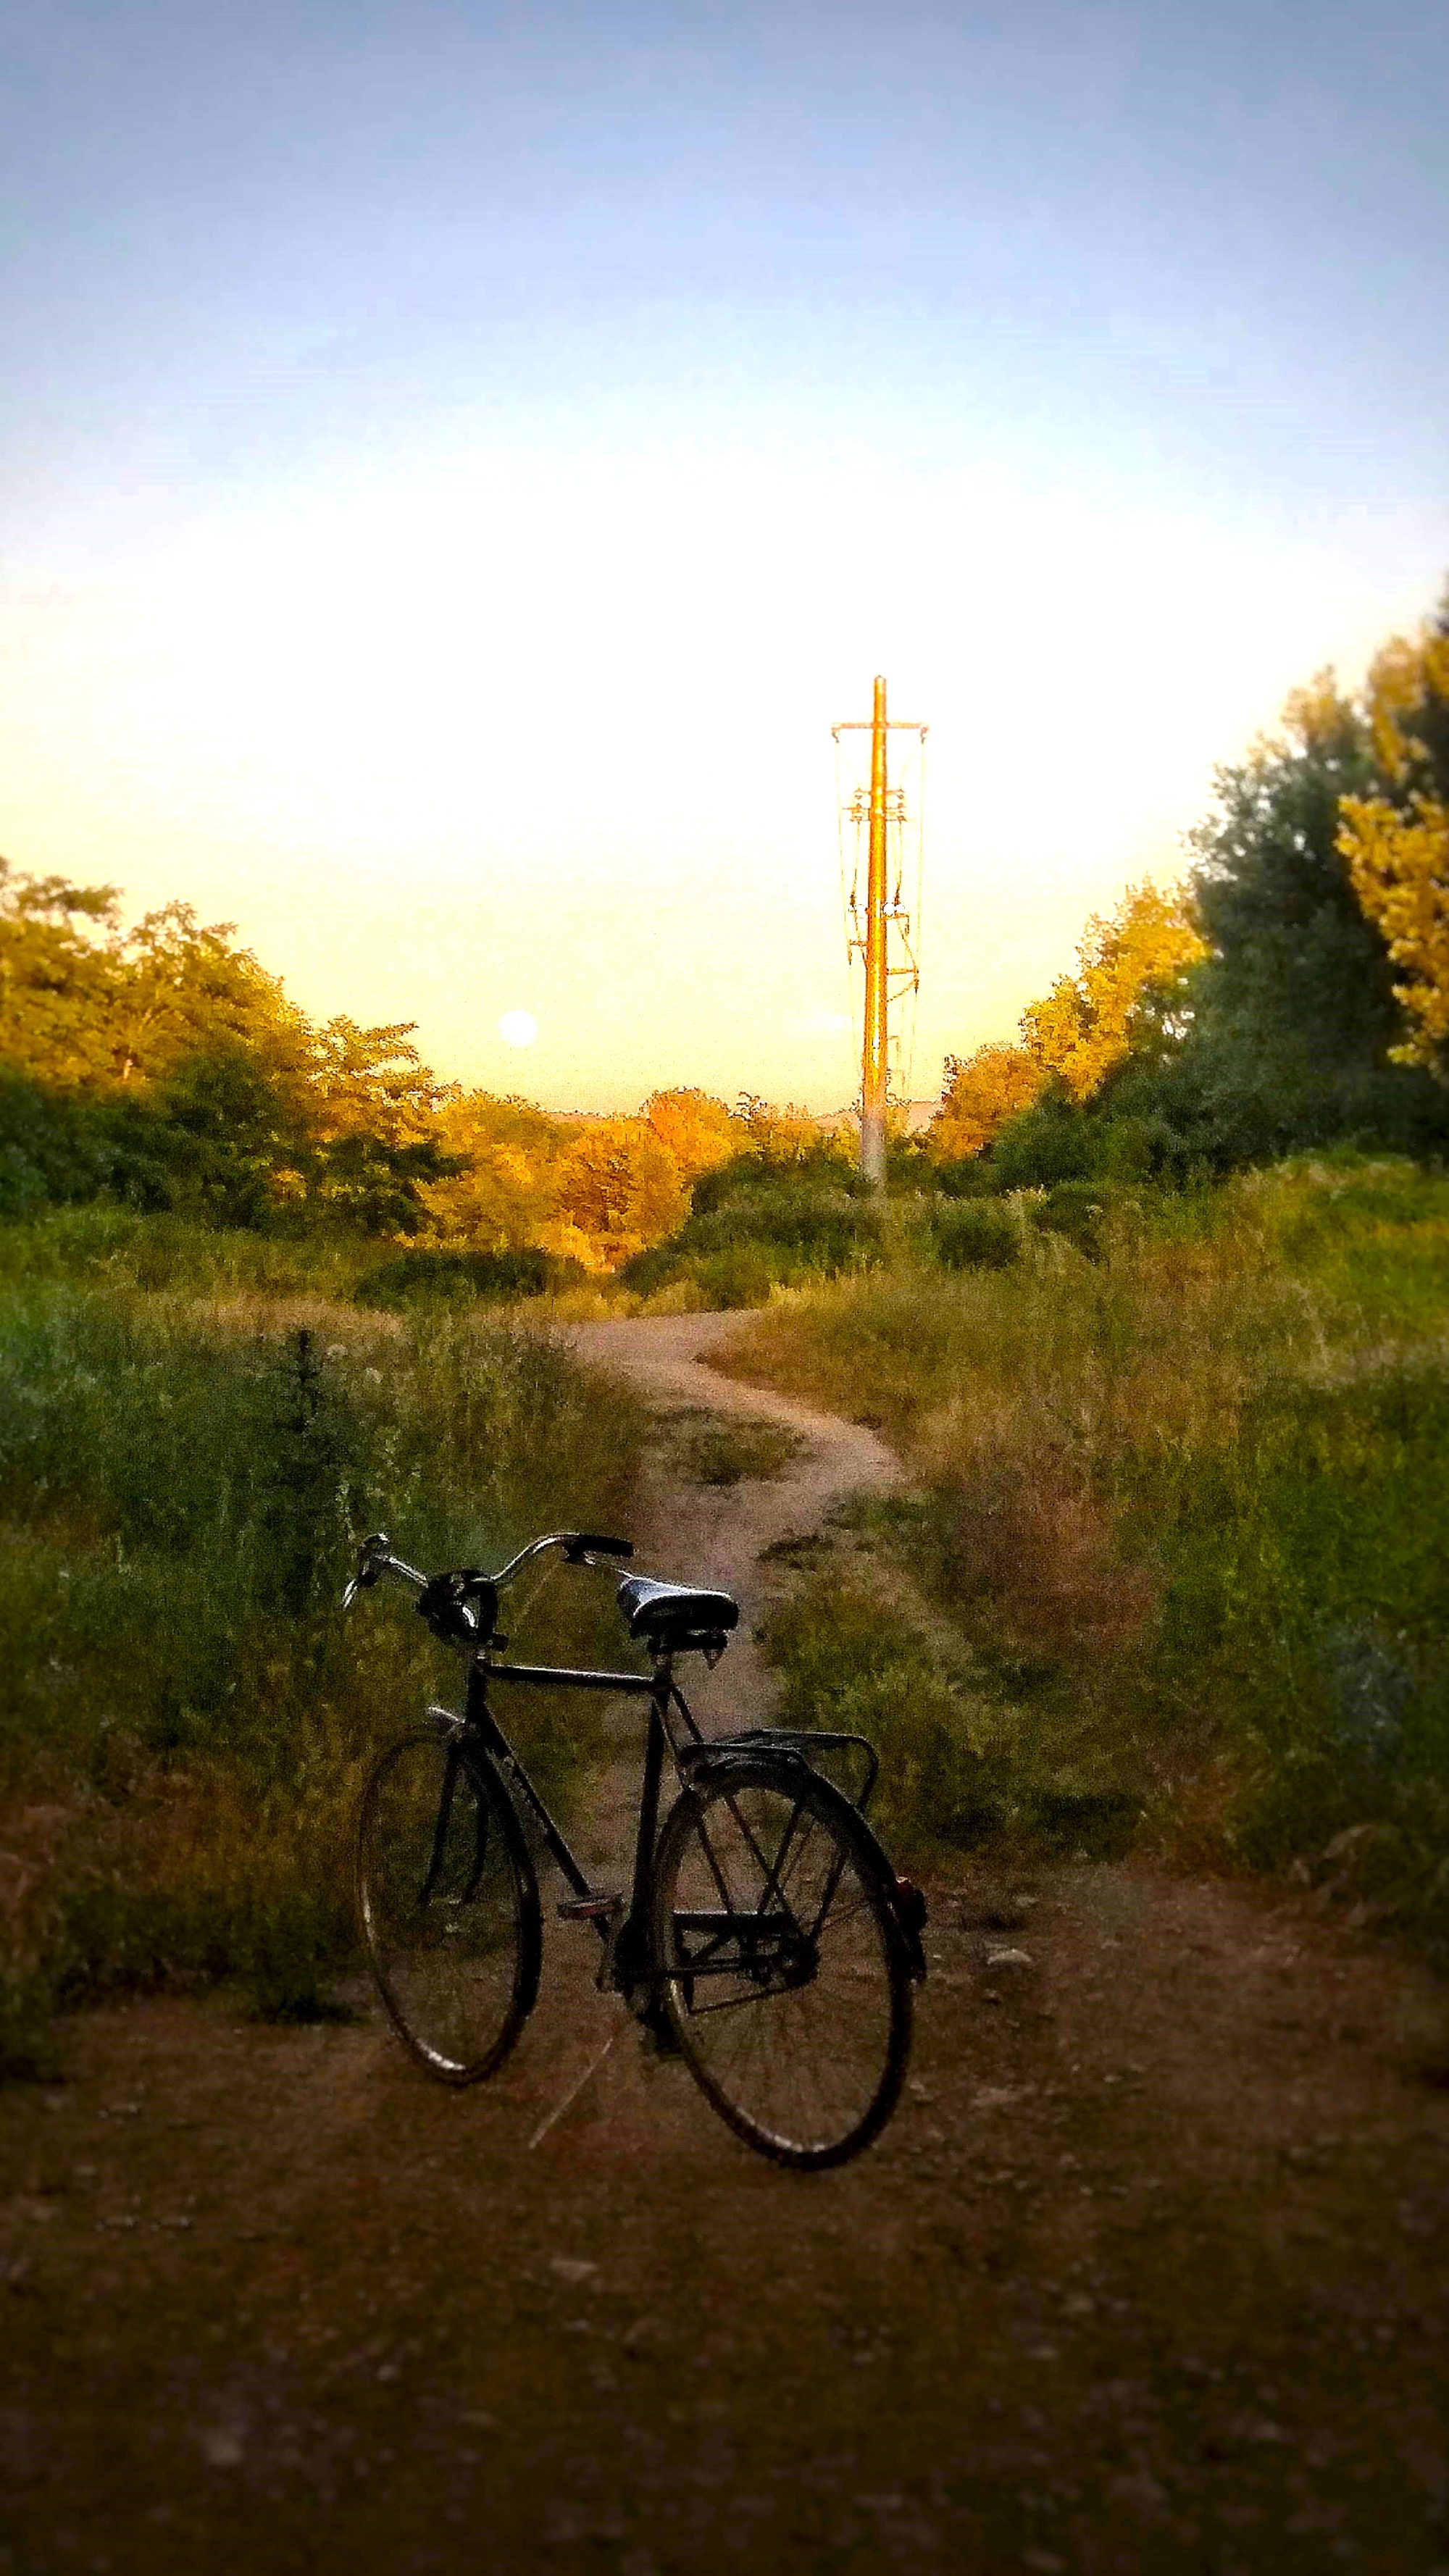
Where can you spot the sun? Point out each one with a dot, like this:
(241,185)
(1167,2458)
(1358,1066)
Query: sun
(518,1028)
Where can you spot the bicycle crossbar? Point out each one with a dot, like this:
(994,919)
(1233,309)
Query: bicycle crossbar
(562,1677)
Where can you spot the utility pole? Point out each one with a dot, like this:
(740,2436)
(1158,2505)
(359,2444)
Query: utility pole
(874,1068)
(878,810)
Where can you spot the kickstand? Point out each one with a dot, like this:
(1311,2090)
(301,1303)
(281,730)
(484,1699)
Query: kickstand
(568,2100)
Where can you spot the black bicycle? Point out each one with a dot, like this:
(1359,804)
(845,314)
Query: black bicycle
(766,1939)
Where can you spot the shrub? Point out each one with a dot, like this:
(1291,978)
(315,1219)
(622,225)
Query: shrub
(1078,1210)
(970,1236)
(432,1275)
(1050,1142)
(969,1177)
(757,1224)
(965,1757)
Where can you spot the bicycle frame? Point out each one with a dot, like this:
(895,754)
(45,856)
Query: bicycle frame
(481,1727)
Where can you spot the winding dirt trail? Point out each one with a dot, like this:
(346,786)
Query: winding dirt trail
(719,1534)
(1150,2273)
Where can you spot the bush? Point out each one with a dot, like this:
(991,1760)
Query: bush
(756,1224)
(1078,1210)
(969,1177)
(963,1761)
(1052,1141)
(431,1275)
(741,1277)
(970,1236)
(822,1167)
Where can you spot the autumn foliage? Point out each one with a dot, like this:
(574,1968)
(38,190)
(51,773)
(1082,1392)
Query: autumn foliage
(162,1064)
(1130,967)
(1396,843)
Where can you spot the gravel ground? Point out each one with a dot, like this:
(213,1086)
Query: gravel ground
(1151,2270)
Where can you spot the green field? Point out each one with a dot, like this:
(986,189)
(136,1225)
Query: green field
(1170,1573)
(185,1716)
(1173,1568)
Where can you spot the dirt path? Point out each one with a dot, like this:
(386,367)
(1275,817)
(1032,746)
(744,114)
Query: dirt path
(1150,2273)
(719,1534)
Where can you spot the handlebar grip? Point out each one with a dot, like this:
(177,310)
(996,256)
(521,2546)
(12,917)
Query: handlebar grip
(584,1543)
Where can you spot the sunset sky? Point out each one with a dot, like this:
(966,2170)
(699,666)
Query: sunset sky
(456,463)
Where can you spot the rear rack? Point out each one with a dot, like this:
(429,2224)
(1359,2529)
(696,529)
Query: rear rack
(804,1741)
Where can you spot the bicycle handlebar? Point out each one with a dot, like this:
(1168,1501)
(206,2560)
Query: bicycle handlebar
(375,1559)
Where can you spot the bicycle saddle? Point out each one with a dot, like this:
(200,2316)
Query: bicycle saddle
(674,1615)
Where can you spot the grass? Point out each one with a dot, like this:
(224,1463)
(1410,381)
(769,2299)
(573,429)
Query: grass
(704,1448)
(185,1717)
(975,1746)
(1181,1512)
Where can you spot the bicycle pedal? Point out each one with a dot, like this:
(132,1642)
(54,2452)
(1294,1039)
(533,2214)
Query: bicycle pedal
(589,1909)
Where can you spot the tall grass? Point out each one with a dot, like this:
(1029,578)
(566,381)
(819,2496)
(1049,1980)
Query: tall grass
(1187,1498)
(184,1716)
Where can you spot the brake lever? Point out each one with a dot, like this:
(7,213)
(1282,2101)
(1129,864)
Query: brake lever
(372,1556)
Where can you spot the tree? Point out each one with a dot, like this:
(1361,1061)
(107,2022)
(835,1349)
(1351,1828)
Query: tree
(1130,971)
(1396,843)
(696,1129)
(1292,1018)
(1127,993)
(56,977)
(1295,973)
(978,1095)
(223,1135)
(788,1135)
(504,1191)
(179,987)
(85,1002)
(620,1185)
(374,1138)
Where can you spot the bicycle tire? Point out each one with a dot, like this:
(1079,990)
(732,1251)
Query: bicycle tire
(448,1904)
(779,1962)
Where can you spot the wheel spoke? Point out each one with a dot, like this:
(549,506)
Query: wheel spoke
(810,2071)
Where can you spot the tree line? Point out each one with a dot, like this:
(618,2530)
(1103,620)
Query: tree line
(162,1065)
(1292,993)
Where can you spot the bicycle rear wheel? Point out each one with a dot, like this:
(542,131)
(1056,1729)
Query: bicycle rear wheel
(780,1962)
(448,1905)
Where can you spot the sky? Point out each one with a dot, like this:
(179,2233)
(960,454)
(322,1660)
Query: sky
(458,462)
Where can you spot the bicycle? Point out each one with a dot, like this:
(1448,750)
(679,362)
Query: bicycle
(766,1939)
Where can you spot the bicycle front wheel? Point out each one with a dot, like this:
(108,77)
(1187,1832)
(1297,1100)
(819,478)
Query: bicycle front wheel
(780,1963)
(448,1905)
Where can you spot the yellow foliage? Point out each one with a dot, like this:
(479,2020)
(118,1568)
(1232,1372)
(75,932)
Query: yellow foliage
(1398,853)
(1399,864)
(781,1135)
(1086,1025)
(981,1092)
(696,1129)
(1408,672)
(372,1082)
(507,1193)
(1318,714)
(620,1185)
